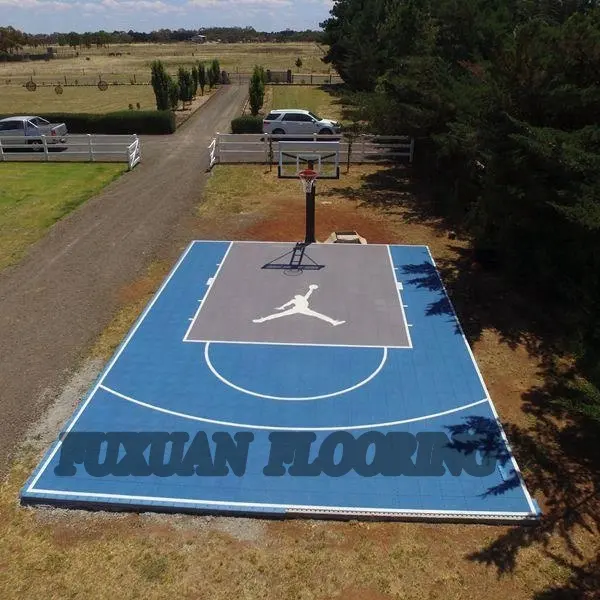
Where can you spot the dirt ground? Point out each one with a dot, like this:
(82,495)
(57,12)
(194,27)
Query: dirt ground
(70,279)
(58,554)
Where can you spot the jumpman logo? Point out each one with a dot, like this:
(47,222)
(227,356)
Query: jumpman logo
(299,306)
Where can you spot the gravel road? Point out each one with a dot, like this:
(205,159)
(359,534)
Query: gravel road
(59,298)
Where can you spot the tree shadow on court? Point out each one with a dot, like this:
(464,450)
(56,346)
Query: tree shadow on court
(425,276)
(561,460)
(483,436)
(556,445)
(483,299)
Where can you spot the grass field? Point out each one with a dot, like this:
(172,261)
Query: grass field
(134,64)
(71,554)
(34,196)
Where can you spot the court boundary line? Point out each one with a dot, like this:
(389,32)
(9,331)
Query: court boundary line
(516,468)
(296,344)
(400,300)
(301,508)
(71,423)
(281,428)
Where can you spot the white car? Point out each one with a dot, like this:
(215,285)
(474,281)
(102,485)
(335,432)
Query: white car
(294,121)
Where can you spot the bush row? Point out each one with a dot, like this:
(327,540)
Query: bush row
(247,124)
(140,121)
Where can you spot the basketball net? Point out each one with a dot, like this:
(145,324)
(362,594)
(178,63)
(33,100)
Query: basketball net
(308,178)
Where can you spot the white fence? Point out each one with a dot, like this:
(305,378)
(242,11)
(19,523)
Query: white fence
(76,148)
(264,148)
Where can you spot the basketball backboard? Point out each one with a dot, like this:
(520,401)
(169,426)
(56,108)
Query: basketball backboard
(296,156)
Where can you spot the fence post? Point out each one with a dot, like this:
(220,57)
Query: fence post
(45,144)
(362,158)
(90,147)
(350,143)
(1,151)
(128,157)
(412,149)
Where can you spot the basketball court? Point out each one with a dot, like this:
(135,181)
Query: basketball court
(291,379)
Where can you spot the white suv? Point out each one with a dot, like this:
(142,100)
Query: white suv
(298,122)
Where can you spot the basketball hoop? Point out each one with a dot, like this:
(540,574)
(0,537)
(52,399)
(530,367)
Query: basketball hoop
(308,177)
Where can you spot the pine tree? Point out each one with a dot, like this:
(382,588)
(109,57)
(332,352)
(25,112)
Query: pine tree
(256,90)
(160,84)
(202,78)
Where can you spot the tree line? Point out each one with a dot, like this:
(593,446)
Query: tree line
(12,40)
(503,98)
(169,91)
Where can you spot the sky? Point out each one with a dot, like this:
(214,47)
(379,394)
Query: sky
(47,16)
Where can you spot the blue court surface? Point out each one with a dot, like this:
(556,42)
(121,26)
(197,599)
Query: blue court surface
(344,389)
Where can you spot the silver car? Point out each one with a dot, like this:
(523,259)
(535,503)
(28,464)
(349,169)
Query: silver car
(29,130)
(298,122)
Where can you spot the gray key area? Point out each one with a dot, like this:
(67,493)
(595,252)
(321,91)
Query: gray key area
(352,301)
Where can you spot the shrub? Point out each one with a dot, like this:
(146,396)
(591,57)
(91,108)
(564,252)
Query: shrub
(195,80)
(247,124)
(173,94)
(213,73)
(186,85)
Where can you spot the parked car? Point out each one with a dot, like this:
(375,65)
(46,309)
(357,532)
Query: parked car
(298,122)
(29,130)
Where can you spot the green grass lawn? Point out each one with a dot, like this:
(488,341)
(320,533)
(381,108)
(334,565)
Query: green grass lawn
(34,196)
(315,99)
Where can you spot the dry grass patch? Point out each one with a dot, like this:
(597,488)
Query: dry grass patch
(135,60)
(53,553)
(75,99)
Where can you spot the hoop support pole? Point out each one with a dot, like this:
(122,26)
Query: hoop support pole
(310,215)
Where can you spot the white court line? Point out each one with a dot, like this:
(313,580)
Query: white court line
(295,344)
(212,280)
(278,428)
(292,398)
(488,397)
(399,297)
(319,244)
(295,507)
(110,365)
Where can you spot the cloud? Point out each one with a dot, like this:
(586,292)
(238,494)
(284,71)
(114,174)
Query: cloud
(118,6)
(38,4)
(229,4)
(146,15)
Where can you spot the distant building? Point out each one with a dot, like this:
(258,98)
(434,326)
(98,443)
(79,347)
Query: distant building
(198,39)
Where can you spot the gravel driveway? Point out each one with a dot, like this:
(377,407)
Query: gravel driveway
(58,299)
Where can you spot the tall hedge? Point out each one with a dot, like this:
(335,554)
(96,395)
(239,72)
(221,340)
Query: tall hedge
(151,122)
(247,124)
